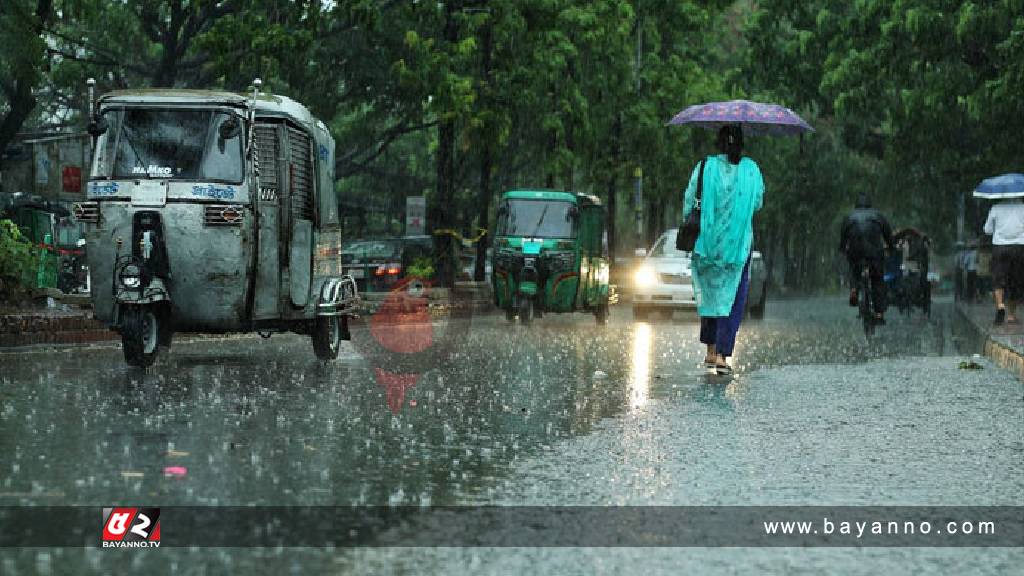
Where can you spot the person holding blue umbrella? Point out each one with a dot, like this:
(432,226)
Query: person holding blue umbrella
(1005,223)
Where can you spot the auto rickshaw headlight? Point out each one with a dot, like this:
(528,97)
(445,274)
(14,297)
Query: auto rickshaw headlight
(645,276)
(131,276)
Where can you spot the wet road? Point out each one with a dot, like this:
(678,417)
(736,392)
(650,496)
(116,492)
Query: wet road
(560,413)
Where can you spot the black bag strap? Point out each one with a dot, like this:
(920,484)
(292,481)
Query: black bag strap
(700,186)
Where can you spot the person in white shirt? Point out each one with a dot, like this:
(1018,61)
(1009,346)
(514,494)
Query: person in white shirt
(1006,225)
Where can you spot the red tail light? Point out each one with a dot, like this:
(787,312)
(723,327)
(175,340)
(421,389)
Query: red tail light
(388,270)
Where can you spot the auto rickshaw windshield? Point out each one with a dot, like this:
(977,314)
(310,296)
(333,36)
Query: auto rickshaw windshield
(537,219)
(173,144)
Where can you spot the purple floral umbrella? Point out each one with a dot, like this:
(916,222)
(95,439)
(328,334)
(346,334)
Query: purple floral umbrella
(755,117)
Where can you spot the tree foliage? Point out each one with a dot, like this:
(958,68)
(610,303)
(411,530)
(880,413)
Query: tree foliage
(914,100)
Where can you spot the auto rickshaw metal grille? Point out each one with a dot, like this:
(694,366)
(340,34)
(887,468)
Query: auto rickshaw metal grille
(223,215)
(301,174)
(266,146)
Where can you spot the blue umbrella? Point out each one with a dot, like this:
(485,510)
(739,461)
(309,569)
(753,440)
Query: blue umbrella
(999,187)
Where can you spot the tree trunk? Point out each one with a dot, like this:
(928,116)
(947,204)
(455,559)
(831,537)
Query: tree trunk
(484,201)
(441,213)
(611,184)
(22,102)
(610,191)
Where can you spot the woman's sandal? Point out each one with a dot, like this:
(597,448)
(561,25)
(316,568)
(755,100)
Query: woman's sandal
(709,363)
(723,369)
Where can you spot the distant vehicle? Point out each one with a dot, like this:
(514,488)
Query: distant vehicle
(378,264)
(213,212)
(469,264)
(549,255)
(758,294)
(663,281)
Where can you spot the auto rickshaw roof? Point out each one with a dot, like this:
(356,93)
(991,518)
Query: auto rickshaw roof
(540,195)
(266,104)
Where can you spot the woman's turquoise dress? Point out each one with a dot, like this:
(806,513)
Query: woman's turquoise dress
(731,195)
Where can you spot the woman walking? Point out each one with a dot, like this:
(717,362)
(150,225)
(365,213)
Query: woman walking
(732,190)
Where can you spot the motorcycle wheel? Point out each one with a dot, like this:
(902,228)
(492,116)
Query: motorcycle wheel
(140,335)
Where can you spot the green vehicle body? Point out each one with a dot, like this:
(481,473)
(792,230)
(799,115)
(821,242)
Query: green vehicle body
(549,255)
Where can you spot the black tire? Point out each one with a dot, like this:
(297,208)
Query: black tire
(525,310)
(757,310)
(867,315)
(510,313)
(140,335)
(639,312)
(601,313)
(326,337)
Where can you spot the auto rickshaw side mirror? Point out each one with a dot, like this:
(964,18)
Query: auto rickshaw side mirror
(97,126)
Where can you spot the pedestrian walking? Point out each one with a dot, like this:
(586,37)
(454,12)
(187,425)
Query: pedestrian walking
(970,266)
(1005,224)
(731,191)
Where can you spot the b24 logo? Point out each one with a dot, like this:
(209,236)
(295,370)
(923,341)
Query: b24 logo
(131,528)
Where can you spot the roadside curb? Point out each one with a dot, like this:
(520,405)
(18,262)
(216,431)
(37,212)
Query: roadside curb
(1004,356)
(30,329)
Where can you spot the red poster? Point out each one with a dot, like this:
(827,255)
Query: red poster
(72,178)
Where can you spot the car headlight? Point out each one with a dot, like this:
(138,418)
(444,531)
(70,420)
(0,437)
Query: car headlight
(131,276)
(645,276)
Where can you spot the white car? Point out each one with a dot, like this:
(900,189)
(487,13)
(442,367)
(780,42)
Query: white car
(662,281)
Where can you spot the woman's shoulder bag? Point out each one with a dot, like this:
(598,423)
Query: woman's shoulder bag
(686,238)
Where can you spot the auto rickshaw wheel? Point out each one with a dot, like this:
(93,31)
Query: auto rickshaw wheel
(510,313)
(601,313)
(525,310)
(140,335)
(326,337)
(639,312)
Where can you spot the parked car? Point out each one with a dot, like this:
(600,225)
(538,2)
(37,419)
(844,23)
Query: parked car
(378,264)
(663,280)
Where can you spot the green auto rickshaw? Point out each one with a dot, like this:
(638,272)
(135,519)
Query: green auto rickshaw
(550,255)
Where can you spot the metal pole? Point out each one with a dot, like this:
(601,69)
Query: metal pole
(91,112)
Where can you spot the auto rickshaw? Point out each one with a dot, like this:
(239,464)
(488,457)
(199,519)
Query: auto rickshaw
(213,212)
(549,255)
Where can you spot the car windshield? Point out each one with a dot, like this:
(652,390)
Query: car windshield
(665,247)
(170,144)
(536,219)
